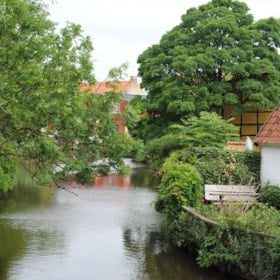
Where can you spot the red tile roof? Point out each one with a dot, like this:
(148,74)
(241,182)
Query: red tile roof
(103,87)
(270,131)
(130,86)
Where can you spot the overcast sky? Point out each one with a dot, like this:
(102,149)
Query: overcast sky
(123,29)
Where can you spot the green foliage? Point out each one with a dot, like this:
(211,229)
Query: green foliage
(242,238)
(219,166)
(132,117)
(207,130)
(217,55)
(196,135)
(270,194)
(134,113)
(8,173)
(117,73)
(237,250)
(149,128)
(176,229)
(215,251)
(139,154)
(157,150)
(42,68)
(259,218)
(114,149)
(180,185)
(123,146)
(85,175)
(250,162)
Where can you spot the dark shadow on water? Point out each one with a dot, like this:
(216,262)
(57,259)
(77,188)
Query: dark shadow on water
(12,246)
(158,260)
(143,176)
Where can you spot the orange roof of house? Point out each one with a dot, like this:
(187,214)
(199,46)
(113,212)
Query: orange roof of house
(270,131)
(130,86)
(103,87)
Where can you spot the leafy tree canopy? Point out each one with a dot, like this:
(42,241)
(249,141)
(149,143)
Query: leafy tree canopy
(217,55)
(44,117)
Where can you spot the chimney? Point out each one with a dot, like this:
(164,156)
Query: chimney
(133,79)
(134,87)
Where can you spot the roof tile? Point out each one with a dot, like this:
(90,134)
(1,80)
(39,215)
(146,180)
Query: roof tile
(103,87)
(270,131)
(129,87)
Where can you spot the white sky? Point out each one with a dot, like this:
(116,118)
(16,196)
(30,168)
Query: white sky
(122,29)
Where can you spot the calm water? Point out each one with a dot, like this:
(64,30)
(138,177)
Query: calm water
(107,230)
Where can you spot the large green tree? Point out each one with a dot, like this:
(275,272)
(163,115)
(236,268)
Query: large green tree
(44,117)
(216,56)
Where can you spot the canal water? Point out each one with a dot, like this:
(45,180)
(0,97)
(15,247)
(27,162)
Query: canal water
(107,230)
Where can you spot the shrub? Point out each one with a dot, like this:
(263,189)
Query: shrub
(252,161)
(259,218)
(270,194)
(207,130)
(182,181)
(181,184)
(245,243)
(219,166)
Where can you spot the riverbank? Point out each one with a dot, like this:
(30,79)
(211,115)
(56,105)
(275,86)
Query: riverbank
(244,253)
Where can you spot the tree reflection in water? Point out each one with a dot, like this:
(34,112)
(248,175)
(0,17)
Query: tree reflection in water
(157,260)
(13,242)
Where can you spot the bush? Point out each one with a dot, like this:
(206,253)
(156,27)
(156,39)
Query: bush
(219,166)
(259,218)
(241,242)
(252,161)
(207,130)
(270,194)
(181,184)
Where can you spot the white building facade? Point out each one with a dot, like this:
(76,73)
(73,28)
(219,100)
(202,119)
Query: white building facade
(270,164)
(268,138)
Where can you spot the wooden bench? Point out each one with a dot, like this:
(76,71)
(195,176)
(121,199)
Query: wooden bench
(223,194)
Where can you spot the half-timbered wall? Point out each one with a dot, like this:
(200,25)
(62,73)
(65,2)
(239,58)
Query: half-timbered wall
(249,122)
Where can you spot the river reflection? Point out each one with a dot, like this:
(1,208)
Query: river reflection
(107,230)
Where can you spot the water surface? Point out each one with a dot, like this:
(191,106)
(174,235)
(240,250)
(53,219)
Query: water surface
(107,230)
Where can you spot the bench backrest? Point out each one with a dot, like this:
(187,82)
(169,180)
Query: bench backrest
(230,193)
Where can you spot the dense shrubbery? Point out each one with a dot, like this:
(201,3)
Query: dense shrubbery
(232,245)
(201,142)
(219,166)
(236,241)
(260,218)
(180,185)
(270,195)
(242,252)
(197,133)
